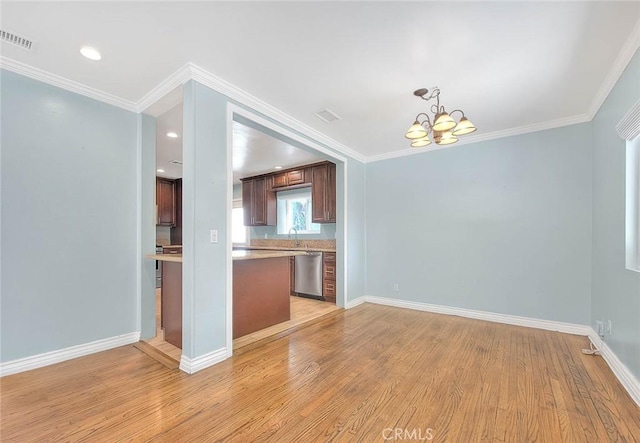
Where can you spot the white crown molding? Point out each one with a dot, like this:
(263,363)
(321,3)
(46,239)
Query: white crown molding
(624,57)
(543,126)
(65,83)
(60,355)
(192,365)
(233,92)
(619,369)
(191,71)
(180,77)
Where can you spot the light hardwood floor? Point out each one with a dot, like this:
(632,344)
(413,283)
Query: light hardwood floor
(158,342)
(356,376)
(304,312)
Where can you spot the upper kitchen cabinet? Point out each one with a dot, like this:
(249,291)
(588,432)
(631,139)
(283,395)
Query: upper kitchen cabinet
(166,202)
(289,178)
(258,202)
(323,193)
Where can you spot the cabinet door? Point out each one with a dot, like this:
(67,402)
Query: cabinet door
(295,177)
(176,233)
(331,193)
(260,201)
(247,202)
(318,191)
(280,180)
(166,201)
(329,276)
(292,276)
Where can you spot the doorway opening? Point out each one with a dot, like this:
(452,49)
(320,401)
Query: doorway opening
(285,171)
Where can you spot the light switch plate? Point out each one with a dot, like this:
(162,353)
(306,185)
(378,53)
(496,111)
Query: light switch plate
(213,236)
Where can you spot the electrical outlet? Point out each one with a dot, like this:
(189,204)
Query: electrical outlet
(600,328)
(608,327)
(396,287)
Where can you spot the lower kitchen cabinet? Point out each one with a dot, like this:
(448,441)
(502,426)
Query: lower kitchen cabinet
(329,276)
(292,276)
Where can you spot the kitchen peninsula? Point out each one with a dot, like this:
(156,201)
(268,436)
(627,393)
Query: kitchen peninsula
(261,289)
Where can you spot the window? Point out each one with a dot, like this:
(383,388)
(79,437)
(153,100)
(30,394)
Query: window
(238,229)
(632,207)
(294,212)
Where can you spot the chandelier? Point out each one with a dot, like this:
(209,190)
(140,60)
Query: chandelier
(442,127)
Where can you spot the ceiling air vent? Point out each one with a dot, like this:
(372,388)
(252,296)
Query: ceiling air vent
(17,40)
(176,162)
(327,116)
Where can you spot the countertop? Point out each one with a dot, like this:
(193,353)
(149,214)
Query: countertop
(276,248)
(177,258)
(237,255)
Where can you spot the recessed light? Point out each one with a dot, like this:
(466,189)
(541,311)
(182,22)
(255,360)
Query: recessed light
(172,134)
(90,53)
(277,167)
(160,170)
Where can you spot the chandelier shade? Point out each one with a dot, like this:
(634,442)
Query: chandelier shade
(416,131)
(418,143)
(447,138)
(440,127)
(444,122)
(464,127)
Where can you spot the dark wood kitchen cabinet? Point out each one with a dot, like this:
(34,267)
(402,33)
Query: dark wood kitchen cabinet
(288,178)
(166,202)
(323,193)
(258,202)
(329,276)
(292,276)
(176,232)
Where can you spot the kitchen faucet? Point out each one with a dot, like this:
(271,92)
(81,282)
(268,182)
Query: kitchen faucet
(296,243)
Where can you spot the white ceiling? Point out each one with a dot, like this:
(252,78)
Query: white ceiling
(254,152)
(508,65)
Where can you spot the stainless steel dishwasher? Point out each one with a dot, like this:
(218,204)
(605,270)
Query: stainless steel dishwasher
(308,275)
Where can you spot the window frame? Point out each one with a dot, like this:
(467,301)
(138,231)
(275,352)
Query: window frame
(237,204)
(632,205)
(282,215)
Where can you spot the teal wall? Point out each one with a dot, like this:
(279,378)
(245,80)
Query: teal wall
(147,141)
(616,290)
(204,208)
(69,235)
(501,226)
(355,229)
(531,225)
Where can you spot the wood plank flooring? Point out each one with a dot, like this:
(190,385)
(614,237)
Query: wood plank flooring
(304,311)
(158,342)
(361,375)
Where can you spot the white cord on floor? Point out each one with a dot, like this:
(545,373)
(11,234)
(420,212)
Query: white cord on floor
(592,349)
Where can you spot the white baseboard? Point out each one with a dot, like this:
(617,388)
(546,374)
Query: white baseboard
(60,355)
(619,369)
(192,365)
(355,302)
(549,325)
